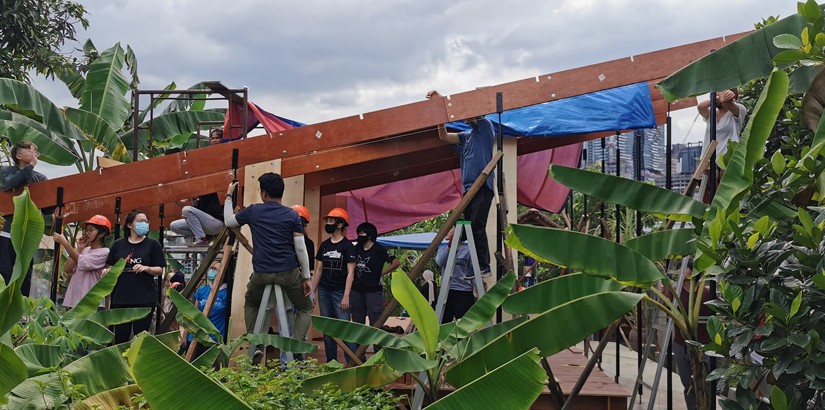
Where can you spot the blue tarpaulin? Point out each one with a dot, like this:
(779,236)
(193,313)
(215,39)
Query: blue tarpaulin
(409,241)
(621,108)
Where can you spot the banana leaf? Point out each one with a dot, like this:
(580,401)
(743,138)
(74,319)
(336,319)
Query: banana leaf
(485,307)
(737,63)
(352,378)
(111,317)
(91,301)
(162,375)
(416,342)
(19,96)
(105,92)
(514,385)
(157,101)
(168,126)
(573,321)
(627,192)
(477,340)
(14,371)
(99,132)
(38,357)
(420,311)
(286,344)
(26,231)
(193,319)
(207,358)
(120,397)
(738,177)
(357,332)
(188,105)
(557,291)
(407,361)
(661,245)
(590,254)
(96,332)
(53,147)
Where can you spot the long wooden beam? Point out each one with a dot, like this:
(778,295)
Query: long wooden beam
(153,174)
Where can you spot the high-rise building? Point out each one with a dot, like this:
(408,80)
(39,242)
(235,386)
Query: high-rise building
(651,144)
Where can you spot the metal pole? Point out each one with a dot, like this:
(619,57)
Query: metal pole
(669,186)
(712,186)
(604,171)
(135,124)
(500,185)
(58,228)
(639,312)
(161,277)
(117,218)
(618,236)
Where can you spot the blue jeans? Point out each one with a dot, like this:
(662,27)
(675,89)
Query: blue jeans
(329,301)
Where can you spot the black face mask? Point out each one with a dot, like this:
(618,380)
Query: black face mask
(362,240)
(330,228)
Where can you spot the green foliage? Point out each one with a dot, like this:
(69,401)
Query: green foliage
(33,32)
(265,388)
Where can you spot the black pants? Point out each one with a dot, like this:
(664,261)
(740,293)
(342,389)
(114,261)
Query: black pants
(458,303)
(7,259)
(476,212)
(124,331)
(364,305)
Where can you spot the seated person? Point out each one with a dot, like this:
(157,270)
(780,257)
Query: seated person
(201,219)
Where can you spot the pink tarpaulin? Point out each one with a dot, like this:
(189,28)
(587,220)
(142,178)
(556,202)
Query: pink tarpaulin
(399,204)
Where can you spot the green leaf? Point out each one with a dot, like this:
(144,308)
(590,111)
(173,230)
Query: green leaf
(575,250)
(353,378)
(661,245)
(102,135)
(94,331)
(14,371)
(789,57)
(514,385)
(578,318)
(485,307)
(91,301)
(106,88)
(19,96)
(778,399)
(797,302)
(52,149)
(207,358)
(38,357)
(477,340)
(193,319)
(286,344)
(811,11)
(420,311)
(120,397)
(753,239)
(626,192)
(819,280)
(111,317)
(162,389)
(778,162)
(406,361)
(556,291)
(787,42)
(168,126)
(356,332)
(806,220)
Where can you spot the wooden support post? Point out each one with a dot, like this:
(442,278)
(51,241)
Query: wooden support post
(442,233)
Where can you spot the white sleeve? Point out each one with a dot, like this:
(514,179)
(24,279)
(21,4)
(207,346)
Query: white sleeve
(229,214)
(303,255)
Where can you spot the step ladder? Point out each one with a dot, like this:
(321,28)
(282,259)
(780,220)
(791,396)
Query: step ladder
(283,323)
(698,180)
(449,269)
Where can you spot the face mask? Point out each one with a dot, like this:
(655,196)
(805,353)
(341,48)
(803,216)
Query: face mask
(330,228)
(362,240)
(142,228)
(210,274)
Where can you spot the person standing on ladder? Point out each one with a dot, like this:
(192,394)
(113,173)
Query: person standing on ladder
(334,273)
(279,254)
(460,297)
(475,148)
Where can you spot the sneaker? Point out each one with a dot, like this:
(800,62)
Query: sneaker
(486,273)
(199,243)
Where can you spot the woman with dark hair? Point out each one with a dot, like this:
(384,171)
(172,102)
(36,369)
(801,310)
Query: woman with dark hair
(86,262)
(136,286)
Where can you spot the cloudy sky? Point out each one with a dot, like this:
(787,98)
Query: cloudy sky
(320,60)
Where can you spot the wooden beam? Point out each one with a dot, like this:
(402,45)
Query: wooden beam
(355,130)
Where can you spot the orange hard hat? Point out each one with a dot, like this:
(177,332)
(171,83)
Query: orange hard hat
(339,213)
(100,220)
(302,211)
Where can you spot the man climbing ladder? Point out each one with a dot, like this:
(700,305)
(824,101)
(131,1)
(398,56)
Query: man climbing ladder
(279,251)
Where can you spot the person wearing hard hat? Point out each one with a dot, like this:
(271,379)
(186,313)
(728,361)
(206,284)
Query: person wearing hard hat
(86,262)
(334,273)
(279,254)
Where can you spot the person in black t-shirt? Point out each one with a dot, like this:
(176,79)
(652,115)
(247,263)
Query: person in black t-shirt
(367,296)
(334,272)
(136,286)
(200,220)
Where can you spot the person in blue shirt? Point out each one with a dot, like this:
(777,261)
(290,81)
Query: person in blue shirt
(217,315)
(475,148)
(460,297)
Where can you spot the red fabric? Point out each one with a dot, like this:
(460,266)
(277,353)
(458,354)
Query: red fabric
(400,204)
(233,125)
